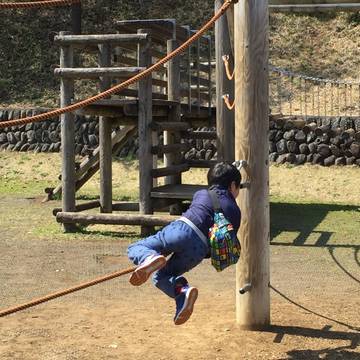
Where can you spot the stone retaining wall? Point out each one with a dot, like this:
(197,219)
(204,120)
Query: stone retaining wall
(323,141)
(316,140)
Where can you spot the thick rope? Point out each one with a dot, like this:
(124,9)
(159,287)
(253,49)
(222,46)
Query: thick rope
(125,84)
(37,4)
(65,292)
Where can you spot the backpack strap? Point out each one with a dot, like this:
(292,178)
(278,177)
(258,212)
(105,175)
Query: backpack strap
(215,200)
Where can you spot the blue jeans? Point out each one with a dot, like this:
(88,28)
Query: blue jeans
(178,239)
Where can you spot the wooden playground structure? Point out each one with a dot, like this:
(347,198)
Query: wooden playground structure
(172,101)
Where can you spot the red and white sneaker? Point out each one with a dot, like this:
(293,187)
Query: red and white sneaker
(143,271)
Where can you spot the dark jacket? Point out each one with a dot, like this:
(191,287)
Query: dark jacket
(201,212)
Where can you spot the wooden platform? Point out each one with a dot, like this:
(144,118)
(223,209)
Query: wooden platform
(179,191)
(127,110)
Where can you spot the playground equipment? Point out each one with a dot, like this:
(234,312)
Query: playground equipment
(172,101)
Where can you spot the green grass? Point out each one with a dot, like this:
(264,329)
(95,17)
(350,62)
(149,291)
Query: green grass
(310,205)
(310,224)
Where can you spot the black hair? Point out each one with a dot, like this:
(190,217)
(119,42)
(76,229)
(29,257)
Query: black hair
(223,174)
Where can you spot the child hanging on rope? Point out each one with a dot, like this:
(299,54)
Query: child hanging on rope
(186,240)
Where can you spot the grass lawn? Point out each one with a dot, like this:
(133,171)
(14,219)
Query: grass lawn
(308,203)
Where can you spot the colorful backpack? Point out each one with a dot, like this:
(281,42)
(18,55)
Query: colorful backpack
(224,244)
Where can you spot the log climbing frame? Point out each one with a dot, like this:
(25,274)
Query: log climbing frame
(173,100)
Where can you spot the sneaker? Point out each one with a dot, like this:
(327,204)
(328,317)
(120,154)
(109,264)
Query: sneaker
(185,304)
(142,272)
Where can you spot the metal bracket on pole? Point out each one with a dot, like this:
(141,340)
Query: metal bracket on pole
(242,164)
(247,287)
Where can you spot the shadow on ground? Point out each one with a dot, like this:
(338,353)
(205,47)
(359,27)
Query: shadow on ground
(324,333)
(304,219)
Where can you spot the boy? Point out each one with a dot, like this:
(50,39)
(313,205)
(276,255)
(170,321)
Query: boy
(186,240)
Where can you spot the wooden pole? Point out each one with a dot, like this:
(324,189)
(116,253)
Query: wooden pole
(224,117)
(114,219)
(251,144)
(210,73)
(67,135)
(76,18)
(189,73)
(172,137)
(198,59)
(105,138)
(145,133)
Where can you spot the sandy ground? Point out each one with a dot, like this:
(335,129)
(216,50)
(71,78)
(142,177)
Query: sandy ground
(117,321)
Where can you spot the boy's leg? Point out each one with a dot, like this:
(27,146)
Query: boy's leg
(149,252)
(145,252)
(169,279)
(144,248)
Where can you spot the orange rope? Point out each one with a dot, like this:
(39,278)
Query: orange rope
(65,292)
(37,4)
(229,75)
(125,84)
(227,102)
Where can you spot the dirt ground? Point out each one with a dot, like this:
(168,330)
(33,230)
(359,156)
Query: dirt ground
(314,310)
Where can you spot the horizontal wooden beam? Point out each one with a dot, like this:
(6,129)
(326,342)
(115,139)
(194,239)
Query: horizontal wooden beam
(93,73)
(81,207)
(114,39)
(129,61)
(176,191)
(134,93)
(170,126)
(162,29)
(114,219)
(171,148)
(125,206)
(194,94)
(209,135)
(170,170)
(201,163)
(310,8)
(203,67)
(194,79)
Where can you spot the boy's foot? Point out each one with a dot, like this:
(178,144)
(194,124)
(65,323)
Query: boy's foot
(143,271)
(185,304)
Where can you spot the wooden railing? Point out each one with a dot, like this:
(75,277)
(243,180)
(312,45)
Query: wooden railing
(195,86)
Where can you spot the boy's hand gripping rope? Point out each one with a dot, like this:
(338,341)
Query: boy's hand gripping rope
(126,83)
(37,4)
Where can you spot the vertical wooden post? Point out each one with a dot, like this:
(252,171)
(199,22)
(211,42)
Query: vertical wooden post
(145,133)
(210,73)
(76,18)
(67,135)
(251,144)
(198,57)
(105,157)
(224,118)
(189,68)
(173,79)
